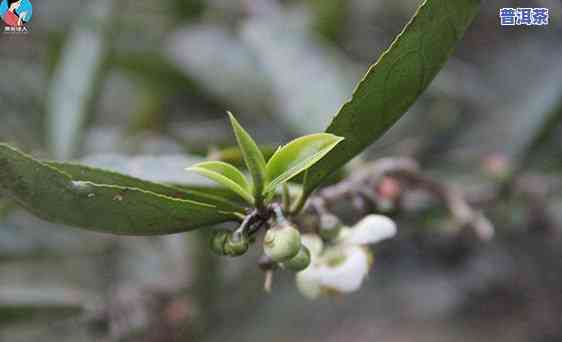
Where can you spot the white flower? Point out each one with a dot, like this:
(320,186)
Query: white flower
(371,229)
(313,243)
(342,267)
(309,283)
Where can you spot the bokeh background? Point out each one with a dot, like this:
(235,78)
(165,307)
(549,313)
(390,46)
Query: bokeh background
(142,87)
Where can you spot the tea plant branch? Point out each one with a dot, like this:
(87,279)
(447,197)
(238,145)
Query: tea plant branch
(354,184)
(113,203)
(362,185)
(454,199)
(286,196)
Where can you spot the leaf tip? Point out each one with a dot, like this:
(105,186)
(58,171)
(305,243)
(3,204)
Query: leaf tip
(232,118)
(236,127)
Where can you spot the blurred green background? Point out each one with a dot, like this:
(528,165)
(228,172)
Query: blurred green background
(142,87)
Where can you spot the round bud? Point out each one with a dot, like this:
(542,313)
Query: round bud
(281,243)
(300,261)
(330,227)
(218,240)
(236,246)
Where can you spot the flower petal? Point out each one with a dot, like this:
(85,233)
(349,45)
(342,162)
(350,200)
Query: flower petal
(348,275)
(308,282)
(314,244)
(371,229)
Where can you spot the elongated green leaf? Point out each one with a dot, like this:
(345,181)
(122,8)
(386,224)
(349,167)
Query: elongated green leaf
(216,192)
(395,81)
(252,156)
(99,176)
(297,156)
(53,195)
(226,175)
(233,155)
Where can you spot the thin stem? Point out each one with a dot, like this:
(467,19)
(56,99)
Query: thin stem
(286,198)
(279,213)
(248,220)
(259,202)
(240,216)
(256,227)
(268,281)
(299,204)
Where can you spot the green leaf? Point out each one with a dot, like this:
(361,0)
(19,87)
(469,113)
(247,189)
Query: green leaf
(226,175)
(297,156)
(215,192)
(252,156)
(52,195)
(233,155)
(200,194)
(395,81)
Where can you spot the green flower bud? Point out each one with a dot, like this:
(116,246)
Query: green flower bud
(218,240)
(236,246)
(330,227)
(282,243)
(300,261)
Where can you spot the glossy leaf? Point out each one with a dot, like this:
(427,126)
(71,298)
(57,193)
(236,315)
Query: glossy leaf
(216,192)
(297,156)
(252,156)
(395,81)
(233,155)
(100,176)
(226,175)
(52,195)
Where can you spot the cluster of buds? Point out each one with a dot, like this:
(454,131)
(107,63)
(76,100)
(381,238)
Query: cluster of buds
(283,245)
(336,259)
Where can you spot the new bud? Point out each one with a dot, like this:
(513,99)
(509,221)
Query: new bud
(281,243)
(218,240)
(236,246)
(330,227)
(300,261)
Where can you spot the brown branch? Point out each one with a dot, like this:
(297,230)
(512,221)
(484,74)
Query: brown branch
(454,199)
(361,187)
